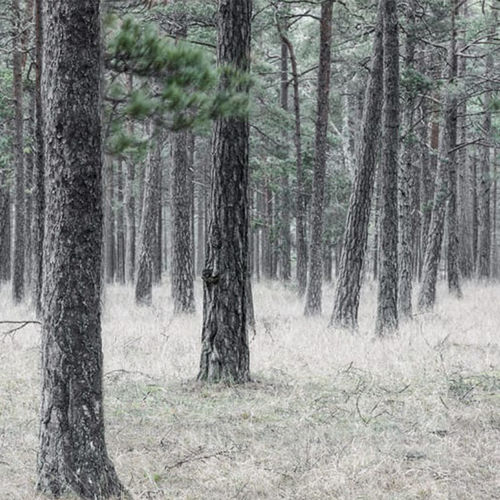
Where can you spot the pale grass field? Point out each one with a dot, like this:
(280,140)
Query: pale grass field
(329,414)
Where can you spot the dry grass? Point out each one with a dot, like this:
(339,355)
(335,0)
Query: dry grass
(329,415)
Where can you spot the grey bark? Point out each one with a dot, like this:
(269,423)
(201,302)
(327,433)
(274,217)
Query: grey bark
(387,297)
(72,456)
(182,245)
(130,211)
(346,304)
(446,156)
(225,354)
(120,225)
(314,284)
(144,279)
(18,154)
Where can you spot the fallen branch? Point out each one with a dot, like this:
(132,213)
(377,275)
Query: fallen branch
(21,325)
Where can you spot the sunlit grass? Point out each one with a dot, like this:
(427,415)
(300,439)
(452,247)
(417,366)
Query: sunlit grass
(328,415)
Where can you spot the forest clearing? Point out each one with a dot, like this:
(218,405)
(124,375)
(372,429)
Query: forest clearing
(329,414)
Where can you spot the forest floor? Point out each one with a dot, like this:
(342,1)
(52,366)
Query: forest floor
(328,415)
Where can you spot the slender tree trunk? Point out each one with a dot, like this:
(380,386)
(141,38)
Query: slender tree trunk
(182,262)
(345,309)
(130,211)
(39,173)
(72,457)
(225,354)
(200,228)
(109,222)
(18,147)
(120,226)
(144,280)
(285,247)
(387,300)
(300,224)
(5,229)
(313,294)
(446,157)
(485,181)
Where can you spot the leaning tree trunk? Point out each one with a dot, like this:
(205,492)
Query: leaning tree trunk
(225,354)
(345,309)
(387,299)
(313,293)
(182,262)
(18,262)
(446,157)
(144,280)
(72,457)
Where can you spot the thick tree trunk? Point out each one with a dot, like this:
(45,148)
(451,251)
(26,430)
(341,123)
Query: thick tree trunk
(225,354)
(407,178)
(182,262)
(72,457)
(18,150)
(345,309)
(446,160)
(144,280)
(313,293)
(387,300)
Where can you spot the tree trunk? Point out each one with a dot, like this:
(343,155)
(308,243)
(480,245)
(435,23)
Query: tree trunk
(200,209)
(285,244)
(407,175)
(130,211)
(446,159)
(485,181)
(182,262)
(72,457)
(387,299)
(345,309)
(313,293)
(109,222)
(5,229)
(144,280)
(39,173)
(18,149)
(120,226)
(225,354)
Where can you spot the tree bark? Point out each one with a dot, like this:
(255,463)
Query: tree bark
(144,280)
(18,149)
(72,457)
(313,293)
(387,299)
(130,211)
(346,304)
(446,160)
(225,354)
(182,262)
(120,226)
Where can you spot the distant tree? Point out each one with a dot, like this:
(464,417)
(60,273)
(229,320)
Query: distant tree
(72,457)
(313,294)
(225,351)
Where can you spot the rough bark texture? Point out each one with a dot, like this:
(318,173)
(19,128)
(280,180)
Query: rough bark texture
(120,226)
(144,280)
(314,288)
(345,309)
(72,456)
(18,153)
(182,262)
(427,294)
(225,353)
(5,229)
(285,243)
(407,175)
(485,182)
(130,212)
(387,300)
(38,176)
